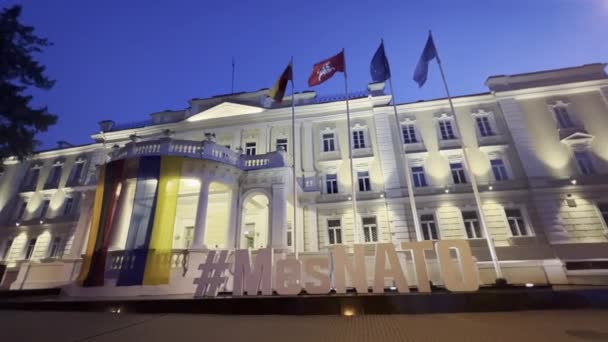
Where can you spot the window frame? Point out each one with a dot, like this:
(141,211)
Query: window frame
(423,227)
(474,229)
(327,142)
(364,180)
(461,172)
(251,146)
(334,183)
(44,208)
(504,170)
(27,252)
(54,250)
(358,138)
(525,217)
(337,232)
(419,178)
(7,248)
(285,143)
(372,228)
(68,209)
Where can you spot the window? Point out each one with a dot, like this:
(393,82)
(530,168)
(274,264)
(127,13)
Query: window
(329,142)
(289,237)
(584,162)
(250,149)
(370,229)
(54,250)
(563,117)
(21,210)
(7,249)
(29,249)
(31,179)
(44,208)
(358,139)
(429,229)
(409,133)
(363,179)
(516,222)
(334,231)
(419,176)
(471,224)
(282,144)
(54,175)
(458,175)
(76,172)
(446,130)
(67,207)
(499,169)
(603,207)
(484,126)
(331,183)
(189,236)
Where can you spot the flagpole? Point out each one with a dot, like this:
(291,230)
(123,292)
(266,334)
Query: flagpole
(232,84)
(294,235)
(350,157)
(408,171)
(482,219)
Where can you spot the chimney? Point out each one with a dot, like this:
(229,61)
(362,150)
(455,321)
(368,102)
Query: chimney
(106,125)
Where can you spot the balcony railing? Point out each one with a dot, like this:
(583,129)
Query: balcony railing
(207,150)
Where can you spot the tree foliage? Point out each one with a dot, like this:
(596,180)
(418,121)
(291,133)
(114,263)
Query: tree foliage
(19,71)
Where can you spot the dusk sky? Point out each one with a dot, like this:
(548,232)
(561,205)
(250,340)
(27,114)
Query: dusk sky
(122,60)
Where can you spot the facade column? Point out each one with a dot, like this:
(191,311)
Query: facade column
(297,158)
(200,224)
(237,140)
(312,229)
(279,223)
(232,220)
(268,140)
(307,157)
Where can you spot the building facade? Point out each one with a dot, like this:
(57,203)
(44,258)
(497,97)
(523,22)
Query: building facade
(218,175)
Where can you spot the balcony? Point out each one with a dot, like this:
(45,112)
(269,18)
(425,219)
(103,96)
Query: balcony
(206,149)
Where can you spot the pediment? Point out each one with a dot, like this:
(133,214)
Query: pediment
(224,110)
(577,138)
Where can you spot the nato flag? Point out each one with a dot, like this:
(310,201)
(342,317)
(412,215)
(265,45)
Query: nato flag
(379,67)
(422,68)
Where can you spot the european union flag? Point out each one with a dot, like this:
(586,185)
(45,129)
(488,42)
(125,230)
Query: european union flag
(422,69)
(379,68)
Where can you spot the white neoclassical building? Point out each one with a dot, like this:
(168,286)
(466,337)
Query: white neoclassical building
(217,175)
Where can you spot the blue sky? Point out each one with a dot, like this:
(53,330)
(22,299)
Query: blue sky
(123,60)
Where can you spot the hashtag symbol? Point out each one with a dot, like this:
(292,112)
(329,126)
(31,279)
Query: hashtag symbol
(213,274)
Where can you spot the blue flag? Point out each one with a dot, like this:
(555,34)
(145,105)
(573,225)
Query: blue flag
(379,68)
(422,69)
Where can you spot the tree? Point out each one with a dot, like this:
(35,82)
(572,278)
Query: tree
(19,71)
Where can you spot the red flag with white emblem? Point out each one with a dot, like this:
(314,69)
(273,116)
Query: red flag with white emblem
(325,69)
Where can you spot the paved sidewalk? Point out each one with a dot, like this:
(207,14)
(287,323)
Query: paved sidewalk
(579,325)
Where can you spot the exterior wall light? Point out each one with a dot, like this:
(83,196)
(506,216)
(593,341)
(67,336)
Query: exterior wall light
(447,191)
(529,285)
(350,198)
(17,224)
(490,188)
(381,195)
(573,181)
(41,221)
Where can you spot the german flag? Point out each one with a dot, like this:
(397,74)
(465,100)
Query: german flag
(278,89)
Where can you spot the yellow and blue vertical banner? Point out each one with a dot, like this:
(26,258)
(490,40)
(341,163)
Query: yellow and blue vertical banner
(147,254)
(110,179)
